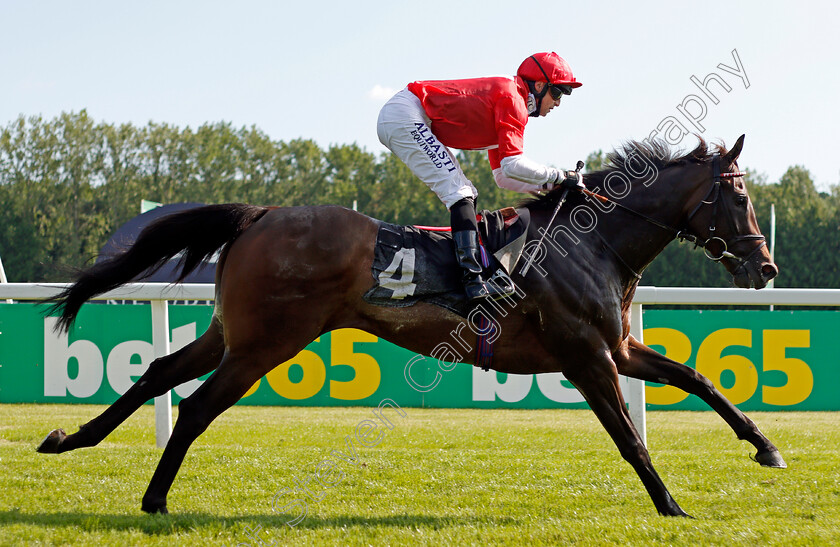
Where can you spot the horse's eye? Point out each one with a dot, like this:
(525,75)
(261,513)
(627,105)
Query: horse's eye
(741,201)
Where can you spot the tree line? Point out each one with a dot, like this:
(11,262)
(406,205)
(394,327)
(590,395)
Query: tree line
(68,183)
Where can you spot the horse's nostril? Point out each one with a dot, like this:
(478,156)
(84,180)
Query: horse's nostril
(769,271)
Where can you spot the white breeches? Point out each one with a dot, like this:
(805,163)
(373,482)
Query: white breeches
(406,130)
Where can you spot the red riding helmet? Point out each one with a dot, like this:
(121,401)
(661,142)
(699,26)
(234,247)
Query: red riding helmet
(540,66)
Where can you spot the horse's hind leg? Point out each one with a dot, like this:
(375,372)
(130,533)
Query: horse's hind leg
(646,364)
(165,373)
(235,375)
(598,383)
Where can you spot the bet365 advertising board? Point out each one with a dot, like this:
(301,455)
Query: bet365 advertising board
(761,360)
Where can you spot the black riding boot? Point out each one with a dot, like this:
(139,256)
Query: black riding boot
(469,259)
(465,236)
(476,284)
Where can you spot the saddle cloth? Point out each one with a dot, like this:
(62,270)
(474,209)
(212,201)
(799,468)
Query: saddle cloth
(413,264)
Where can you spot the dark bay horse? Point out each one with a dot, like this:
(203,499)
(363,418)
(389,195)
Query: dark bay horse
(288,275)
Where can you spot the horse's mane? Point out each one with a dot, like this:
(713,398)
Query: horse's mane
(655,151)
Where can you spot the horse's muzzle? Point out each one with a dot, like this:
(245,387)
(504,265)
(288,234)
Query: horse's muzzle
(769,271)
(750,274)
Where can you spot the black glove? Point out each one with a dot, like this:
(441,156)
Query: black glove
(571,179)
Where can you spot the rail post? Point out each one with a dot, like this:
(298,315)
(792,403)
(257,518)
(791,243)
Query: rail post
(160,343)
(636,388)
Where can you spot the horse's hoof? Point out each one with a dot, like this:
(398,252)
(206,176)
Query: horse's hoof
(771,458)
(154,507)
(52,441)
(675,511)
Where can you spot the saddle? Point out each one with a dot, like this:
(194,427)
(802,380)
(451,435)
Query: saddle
(417,263)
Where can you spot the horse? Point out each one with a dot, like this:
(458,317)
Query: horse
(288,275)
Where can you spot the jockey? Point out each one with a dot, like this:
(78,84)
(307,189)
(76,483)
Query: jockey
(421,122)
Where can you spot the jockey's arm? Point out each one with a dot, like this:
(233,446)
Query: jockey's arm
(520,174)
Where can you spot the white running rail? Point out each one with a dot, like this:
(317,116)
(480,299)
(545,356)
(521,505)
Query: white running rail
(695,296)
(160,293)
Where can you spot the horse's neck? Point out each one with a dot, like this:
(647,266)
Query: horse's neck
(636,240)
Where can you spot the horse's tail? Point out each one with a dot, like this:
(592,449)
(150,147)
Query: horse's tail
(197,233)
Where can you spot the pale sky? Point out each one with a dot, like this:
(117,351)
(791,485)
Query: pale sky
(321,70)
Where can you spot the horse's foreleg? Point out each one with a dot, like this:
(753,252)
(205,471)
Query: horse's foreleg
(639,361)
(190,362)
(599,386)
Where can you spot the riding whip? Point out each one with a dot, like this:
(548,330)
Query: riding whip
(560,203)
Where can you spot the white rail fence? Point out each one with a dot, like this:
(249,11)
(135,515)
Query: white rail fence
(159,294)
(695,296)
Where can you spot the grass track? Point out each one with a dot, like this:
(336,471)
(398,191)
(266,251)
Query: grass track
(451,477)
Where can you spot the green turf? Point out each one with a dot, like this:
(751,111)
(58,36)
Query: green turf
(451,477)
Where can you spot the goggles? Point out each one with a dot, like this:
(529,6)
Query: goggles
(557,91)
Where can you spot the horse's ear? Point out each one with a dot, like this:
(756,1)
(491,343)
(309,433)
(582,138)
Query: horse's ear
(732,155)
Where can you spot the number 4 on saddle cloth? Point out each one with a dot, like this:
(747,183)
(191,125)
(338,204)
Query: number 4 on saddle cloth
(417,263)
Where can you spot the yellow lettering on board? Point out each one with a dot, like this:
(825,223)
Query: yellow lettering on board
(368,375)
(677,347)
(711,364)
(253,388)
(800,379)
(314,376)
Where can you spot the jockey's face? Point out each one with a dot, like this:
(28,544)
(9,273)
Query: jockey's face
(547,102)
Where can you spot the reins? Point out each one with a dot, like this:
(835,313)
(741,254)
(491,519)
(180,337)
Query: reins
(560,203)
(683,235)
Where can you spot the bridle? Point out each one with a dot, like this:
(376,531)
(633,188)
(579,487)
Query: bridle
(713,197)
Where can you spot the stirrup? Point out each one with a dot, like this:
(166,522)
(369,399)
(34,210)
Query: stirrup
(503,282)
(478,289)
